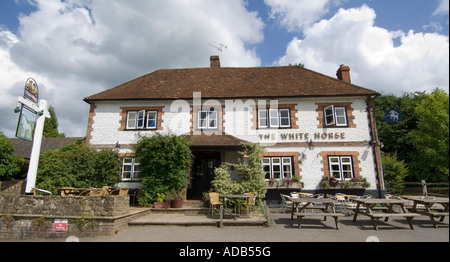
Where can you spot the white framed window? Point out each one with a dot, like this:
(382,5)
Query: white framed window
(207,119)
(341,167)
(335,115)
(274,118)
(142,119)
(130,169)
(277,167)
(151,119)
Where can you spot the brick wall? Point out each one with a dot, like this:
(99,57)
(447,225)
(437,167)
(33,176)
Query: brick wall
(25,217)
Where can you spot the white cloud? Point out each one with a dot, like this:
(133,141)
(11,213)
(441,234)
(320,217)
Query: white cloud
(442,8)
(296,15)
(420,62)
(76,48)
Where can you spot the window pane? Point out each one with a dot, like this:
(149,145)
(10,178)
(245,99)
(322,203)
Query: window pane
(341,116)
(329,115)
(202,119)
(273,113)
(262,118)
(131,120)
(151,119)
(213,119)
(285,118)
(140,119)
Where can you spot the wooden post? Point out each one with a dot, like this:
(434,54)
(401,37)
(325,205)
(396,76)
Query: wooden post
(424,188)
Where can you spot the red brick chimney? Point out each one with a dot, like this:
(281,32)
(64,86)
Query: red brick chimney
(343,73)
(215,61)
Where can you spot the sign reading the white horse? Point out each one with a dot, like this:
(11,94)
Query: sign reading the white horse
(393,116)
(27,124)
(31,91)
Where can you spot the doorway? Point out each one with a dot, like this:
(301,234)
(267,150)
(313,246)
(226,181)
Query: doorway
(203,172)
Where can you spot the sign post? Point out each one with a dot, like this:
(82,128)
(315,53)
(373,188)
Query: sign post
(31,127)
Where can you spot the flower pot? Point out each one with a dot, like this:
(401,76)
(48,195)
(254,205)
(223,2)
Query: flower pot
(177,203)
(161,205)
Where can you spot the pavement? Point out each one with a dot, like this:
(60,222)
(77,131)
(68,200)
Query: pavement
(189,227)
(179,227)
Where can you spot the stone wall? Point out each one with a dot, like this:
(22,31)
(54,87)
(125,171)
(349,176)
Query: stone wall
(25,217)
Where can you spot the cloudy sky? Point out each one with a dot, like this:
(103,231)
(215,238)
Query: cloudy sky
(76,48)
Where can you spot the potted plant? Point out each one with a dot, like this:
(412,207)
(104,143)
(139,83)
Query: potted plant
(176,198)
(161,201)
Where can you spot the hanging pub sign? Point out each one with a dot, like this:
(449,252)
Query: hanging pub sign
(27,124)
(393,116)
(31,91)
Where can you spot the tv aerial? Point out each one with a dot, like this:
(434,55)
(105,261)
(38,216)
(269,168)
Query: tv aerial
(218,46)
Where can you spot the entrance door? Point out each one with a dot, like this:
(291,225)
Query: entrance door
(203,172)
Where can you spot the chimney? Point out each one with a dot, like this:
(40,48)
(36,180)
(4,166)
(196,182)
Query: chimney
(215,61)
(343,73)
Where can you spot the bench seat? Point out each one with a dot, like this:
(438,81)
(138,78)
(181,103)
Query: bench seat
(325,215)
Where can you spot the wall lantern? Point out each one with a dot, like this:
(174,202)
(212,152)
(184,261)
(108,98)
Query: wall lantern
(246,158)
(310,144)
(117,147)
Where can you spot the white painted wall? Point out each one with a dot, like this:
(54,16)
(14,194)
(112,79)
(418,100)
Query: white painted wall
(238,121)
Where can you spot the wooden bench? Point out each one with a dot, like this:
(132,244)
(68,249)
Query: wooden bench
(324,215)
(408,216)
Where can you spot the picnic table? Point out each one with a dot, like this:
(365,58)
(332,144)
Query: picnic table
(325,205)
(236,206)
(379,208)
(429,210)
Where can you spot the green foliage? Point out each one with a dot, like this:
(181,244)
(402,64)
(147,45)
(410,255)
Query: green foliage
(421,139)
(76,165)
(394,171)
(164,160)
(431,137)
(251,174)
(9,163)
(51,125)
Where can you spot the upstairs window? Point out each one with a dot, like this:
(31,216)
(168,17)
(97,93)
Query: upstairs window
(142,119)
(274,118)
(207,119)
(335,116)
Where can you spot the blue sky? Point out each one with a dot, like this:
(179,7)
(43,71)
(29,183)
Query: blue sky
(75,48)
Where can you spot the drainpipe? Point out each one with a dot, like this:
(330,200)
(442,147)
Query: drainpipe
(375,144)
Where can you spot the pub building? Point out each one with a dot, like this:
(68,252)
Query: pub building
(312,125)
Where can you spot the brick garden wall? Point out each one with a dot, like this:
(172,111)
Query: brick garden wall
(26,217)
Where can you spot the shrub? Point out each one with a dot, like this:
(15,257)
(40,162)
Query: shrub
(394,172)
(251,174)
(76,165)
(164,160)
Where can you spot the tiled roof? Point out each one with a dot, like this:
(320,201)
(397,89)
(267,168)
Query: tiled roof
(203,139)
(23,147)
(225,83)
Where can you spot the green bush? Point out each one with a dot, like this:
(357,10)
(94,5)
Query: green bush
(76,165)
(394,172)
(164,160)
(9,163)
(251,174)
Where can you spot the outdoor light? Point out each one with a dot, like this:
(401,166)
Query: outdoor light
(40,113)
(16,110)
(117,145)
(311,146)
(246,157)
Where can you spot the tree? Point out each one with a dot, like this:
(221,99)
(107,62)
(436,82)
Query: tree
(9,163)
(431,137)
(394,172)
(164,160)
(51,125)
(251,174)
